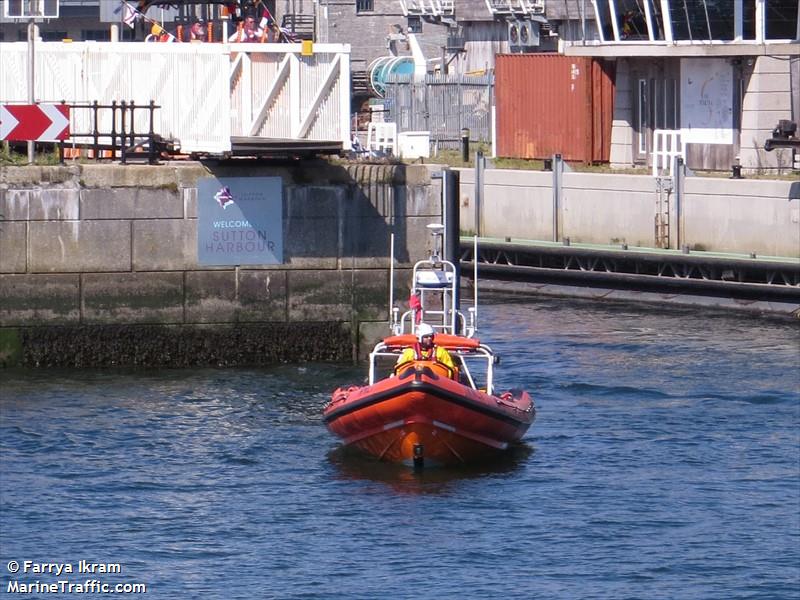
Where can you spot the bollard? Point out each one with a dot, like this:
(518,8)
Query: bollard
(465,144)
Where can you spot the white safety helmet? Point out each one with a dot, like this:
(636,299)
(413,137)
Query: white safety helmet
(423,329)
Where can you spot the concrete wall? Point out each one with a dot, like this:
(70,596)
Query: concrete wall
(622,124)
(767,99)
(91,247)
(718,215)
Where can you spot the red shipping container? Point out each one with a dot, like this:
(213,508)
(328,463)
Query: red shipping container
(552,104)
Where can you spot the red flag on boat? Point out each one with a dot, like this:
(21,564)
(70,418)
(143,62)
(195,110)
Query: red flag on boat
(416,307)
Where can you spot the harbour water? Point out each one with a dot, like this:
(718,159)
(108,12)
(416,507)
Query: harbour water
(664,463)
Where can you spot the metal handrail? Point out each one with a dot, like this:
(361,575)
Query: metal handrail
(122,137)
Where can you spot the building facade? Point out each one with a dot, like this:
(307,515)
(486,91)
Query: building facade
(718,75)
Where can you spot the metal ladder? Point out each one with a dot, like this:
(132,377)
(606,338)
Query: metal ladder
(664,188)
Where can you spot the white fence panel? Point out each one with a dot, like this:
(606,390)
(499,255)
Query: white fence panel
(187,81)
(207,93)
(277,93)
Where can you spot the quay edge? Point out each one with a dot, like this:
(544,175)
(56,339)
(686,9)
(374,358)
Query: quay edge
(99,264)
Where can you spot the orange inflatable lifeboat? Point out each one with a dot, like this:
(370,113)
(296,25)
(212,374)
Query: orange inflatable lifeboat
(427,413)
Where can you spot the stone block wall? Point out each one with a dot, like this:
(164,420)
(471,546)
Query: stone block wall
(100,252)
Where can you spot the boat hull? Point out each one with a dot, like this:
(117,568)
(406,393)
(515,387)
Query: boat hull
(423,417)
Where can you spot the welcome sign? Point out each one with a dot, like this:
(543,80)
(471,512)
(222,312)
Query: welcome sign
(240,221)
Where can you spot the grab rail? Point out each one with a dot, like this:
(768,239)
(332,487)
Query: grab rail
(120,132)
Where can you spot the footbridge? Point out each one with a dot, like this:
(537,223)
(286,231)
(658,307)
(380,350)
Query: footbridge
(207,99)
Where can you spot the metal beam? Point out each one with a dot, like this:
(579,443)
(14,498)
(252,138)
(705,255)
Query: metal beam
(643,269)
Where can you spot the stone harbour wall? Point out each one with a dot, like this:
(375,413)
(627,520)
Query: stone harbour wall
(98,265)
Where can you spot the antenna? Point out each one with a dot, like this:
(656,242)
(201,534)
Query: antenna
(437,230)
(475,282)
(391,278)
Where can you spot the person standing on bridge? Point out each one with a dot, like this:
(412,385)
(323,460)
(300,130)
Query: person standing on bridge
(247,32)
(197,33)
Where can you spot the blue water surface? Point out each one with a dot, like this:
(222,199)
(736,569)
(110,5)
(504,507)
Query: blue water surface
(664,463)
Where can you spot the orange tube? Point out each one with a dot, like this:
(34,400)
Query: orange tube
(445,340)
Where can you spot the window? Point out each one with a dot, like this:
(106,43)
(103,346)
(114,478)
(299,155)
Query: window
(32,8)
(702,20)
(782,20)
(97,35)
(365,6)
(715,19)
(53,36)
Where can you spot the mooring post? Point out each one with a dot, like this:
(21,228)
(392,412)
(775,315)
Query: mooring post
(452,231)
(465,145)
(678,174)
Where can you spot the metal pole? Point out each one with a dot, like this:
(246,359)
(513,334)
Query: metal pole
(678,177)
(391,278)
(480,164)
(31,99)
(557,170)
(651,22)
(475,281)
(708,22)
(151,152)
(452,227)
(583,22)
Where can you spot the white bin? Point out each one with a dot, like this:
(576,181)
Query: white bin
(414,144)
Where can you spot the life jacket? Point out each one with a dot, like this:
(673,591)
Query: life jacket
(421,354)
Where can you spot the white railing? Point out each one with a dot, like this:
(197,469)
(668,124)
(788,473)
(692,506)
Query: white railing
(432,8)
(525,7)
(667,146)
(206,93)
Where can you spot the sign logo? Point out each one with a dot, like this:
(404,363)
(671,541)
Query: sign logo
(224,197)
(240,221)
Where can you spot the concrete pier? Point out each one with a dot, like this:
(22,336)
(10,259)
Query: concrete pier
(745,216)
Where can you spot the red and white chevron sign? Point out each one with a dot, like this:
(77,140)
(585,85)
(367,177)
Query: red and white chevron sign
(34,122)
